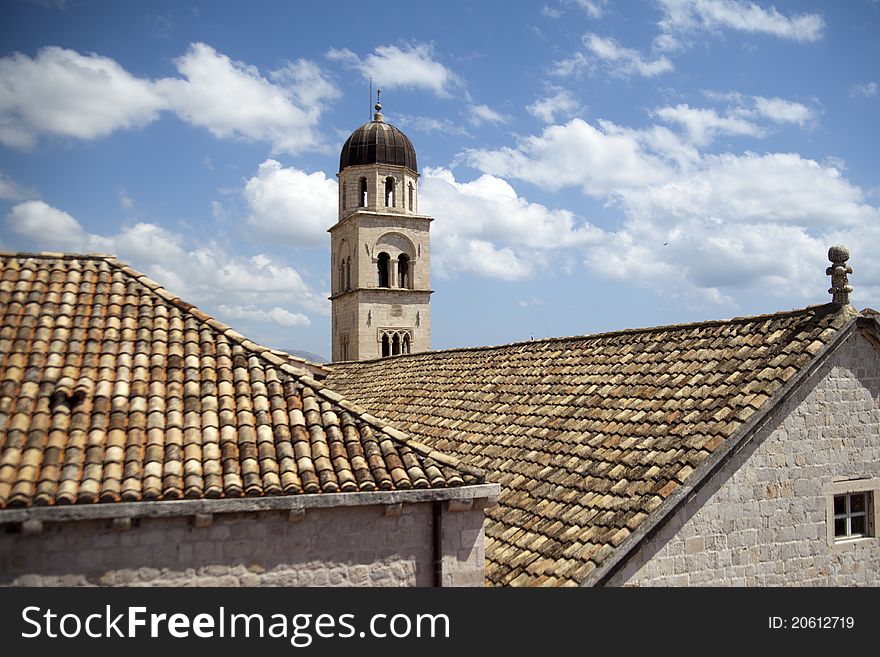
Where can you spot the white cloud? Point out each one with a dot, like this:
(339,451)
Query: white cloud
(233,100)
(684,15)
(489,230)
(480,114)
(572,66)
(306,83)
(783,111)
(867,90)
(54,228)
(411,66)
(430,125)
(481,257)
(11,190)
(61,92)
(680,17)
(290,205)
(702,228)
(207,274)
(593,8)
(740,222)
(560,104)
(658,141)
(777,187)
(624,61)
(577,153)
(666,43)
(703,125)
(277,315)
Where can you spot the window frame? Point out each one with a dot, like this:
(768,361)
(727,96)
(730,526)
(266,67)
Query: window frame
(870,488)
(387,336)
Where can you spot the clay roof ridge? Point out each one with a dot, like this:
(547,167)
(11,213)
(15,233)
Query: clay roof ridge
(57,255)
(827,308)
(388,429)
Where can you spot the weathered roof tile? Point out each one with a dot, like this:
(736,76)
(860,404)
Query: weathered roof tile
(588,435)
(112,389)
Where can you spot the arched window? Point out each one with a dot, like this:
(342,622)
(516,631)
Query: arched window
(410,197)
(342,284)
(389,192)
(395,345)
(348,273)
(403,271)
(384,266)
(386,351)
(363,193)
(345,200)
(405,346)
(343,347)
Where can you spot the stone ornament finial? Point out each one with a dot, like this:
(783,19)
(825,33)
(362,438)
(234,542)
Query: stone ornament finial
(840,288)
(377,117)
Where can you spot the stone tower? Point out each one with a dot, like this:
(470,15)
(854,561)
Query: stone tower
(380,253)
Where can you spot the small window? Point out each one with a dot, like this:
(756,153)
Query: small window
(383,264)
(402,271)
(386,350)
(363,193)
(389,192)
(344,200)
(410,197)
(852,516)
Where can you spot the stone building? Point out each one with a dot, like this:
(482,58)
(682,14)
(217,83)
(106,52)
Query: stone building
(380,248)
(144,442)
(735,452)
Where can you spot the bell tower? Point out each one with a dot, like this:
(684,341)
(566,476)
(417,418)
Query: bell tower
(380,248)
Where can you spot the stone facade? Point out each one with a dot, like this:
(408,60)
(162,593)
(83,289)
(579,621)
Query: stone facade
(765,519)
(405,181)
(340,546)
(364,309)
(370,316)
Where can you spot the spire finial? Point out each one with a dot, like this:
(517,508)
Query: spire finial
(378,115)
(840,288)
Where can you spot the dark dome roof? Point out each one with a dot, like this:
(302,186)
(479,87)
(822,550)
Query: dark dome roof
(378,142)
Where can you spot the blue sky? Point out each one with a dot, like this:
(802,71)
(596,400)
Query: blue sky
(590,165)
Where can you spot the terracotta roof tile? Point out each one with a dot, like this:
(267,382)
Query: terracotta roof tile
(588,435)
(113,389)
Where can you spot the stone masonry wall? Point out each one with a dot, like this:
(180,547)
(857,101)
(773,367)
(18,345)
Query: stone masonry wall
(762,520)
(463,548)
(345,546)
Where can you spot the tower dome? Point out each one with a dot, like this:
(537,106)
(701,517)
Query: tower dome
(378,142)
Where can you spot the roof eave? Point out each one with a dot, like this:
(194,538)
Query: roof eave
(703,474)
(176,508)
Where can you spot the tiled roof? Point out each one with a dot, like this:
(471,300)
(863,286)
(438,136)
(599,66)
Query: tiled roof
(113,389)
(589,435)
